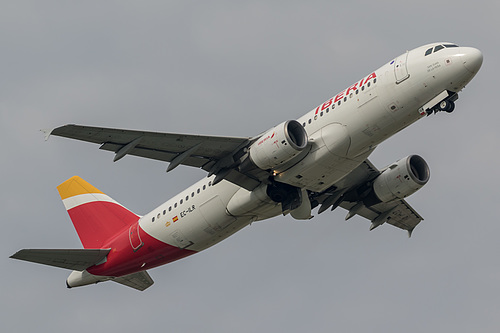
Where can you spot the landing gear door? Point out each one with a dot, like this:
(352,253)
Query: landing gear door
(401,68)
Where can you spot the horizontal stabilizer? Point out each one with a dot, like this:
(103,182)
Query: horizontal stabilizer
(74,259)
(140,280)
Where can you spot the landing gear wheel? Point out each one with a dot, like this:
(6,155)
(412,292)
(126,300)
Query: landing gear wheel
(447,106)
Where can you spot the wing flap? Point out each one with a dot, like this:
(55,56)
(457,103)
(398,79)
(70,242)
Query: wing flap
(403,216)
(140,280)
(74,259)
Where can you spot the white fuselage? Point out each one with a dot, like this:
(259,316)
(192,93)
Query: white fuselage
(342,132)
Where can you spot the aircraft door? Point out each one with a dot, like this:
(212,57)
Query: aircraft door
(134,237)
(401,68)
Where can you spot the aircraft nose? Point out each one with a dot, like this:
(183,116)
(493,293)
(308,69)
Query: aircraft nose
(472,59)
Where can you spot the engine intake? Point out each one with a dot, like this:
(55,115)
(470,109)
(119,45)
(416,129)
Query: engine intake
(400,180)
(279,145)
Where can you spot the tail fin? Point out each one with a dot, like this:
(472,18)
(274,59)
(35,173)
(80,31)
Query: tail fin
(95,215)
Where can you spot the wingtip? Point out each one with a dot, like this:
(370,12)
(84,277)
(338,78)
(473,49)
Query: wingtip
(46,133)
(16,255)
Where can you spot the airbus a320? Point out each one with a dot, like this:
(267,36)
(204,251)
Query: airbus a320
(319,160)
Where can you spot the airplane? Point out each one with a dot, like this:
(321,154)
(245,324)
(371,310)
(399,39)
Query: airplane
(319,160)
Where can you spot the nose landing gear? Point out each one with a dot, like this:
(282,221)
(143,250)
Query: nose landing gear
(447,105)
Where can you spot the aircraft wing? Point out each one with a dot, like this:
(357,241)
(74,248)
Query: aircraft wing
(216,154)
(348,194)
(399,213)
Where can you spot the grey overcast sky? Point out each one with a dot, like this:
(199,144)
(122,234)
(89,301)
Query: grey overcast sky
(237,69)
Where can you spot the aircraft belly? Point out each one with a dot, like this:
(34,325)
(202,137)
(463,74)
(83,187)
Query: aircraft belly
(321,170)
(340,147)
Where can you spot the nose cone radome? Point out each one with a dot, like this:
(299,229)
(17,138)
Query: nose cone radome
(473,59)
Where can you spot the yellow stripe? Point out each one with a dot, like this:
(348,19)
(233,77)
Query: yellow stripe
(75,186)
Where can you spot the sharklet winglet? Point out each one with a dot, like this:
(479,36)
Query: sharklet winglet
(46,133)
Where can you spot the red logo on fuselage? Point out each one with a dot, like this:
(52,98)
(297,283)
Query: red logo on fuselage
(345,93)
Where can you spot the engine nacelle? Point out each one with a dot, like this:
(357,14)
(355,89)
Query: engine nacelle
(401,179)
(279,145)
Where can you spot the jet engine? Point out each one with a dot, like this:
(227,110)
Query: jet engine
(399,180)
(278,145)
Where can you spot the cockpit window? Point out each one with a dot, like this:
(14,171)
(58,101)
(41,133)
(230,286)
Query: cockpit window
(439,47)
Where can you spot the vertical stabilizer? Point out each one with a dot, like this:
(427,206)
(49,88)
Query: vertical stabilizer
(96,216)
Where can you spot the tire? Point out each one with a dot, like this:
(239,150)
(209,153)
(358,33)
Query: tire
(447,106)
